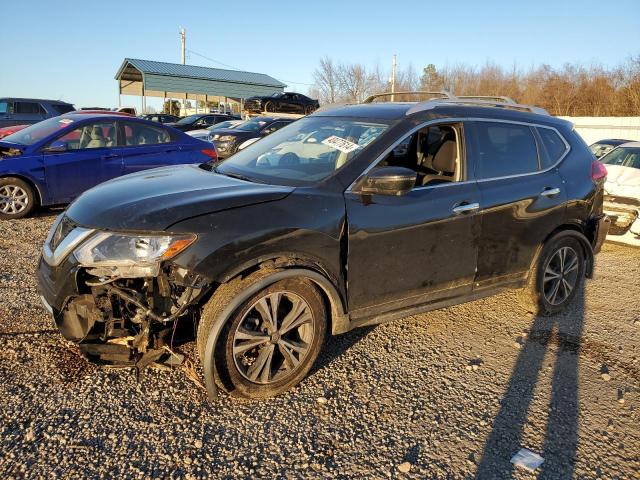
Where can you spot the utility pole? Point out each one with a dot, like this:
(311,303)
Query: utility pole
(393,77)
(183,41)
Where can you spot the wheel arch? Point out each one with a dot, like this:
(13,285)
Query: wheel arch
(337,317)
(572,230)
(32,183)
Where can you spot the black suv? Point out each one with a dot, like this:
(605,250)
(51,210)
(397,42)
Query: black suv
(350,217)
(284,102)
(26,111)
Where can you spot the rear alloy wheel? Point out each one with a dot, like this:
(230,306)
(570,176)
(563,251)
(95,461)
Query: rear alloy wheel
(560,275)
(273,340)
(557,278)
(16,198)
(268,107)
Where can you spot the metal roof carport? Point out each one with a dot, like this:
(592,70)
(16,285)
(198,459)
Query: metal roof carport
(148,78)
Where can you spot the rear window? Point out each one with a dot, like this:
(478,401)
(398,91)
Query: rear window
(553,145)
(505,149)
(62,108)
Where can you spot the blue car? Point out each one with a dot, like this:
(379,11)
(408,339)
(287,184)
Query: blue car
(54,161)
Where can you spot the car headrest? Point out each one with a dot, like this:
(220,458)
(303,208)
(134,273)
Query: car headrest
(445,158)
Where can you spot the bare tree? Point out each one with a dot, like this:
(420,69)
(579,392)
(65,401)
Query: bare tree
(572,90)
(326,80)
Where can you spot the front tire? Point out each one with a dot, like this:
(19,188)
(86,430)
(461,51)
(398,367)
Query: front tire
(269,107)
(17,198)
(557,278)
(271,342)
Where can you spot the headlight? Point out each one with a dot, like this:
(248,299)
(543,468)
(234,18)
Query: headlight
(129,255)
(214,136)
(226,138)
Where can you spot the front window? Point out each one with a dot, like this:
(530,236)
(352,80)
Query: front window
(93,135)
(38,131)
(304,152)
(623,156)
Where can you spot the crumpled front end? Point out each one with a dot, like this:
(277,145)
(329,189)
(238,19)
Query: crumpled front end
(123,311)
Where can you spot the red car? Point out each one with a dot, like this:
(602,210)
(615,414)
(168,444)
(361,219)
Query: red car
(4,131)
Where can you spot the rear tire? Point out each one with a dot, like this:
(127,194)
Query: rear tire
(17,198)
(557,277)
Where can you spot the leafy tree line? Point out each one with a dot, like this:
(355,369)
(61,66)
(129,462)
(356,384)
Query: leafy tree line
(572,90)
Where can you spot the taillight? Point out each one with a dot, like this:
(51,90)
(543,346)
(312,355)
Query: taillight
(211,153)
(598,170)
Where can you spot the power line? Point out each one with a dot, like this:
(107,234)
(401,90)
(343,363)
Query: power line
(238,68)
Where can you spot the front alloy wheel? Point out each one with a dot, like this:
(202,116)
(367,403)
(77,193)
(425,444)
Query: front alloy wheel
(273,338)
(272,341)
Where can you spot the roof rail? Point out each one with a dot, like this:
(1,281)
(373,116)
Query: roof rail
(489,97)
(443,94)
(475,102)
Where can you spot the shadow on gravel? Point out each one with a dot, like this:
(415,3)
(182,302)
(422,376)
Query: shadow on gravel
(561,433)
(336,346)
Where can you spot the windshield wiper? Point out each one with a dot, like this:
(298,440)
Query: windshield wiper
(239,176)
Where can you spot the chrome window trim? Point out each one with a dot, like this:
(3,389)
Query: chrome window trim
(70,242)
(467,119)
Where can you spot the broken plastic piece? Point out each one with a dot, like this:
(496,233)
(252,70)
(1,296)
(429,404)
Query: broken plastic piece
(527,459)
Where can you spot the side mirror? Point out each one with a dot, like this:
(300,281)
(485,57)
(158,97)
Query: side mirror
(55,147)
(389,181)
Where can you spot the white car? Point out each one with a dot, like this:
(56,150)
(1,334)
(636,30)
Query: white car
(206,133)
(622,193)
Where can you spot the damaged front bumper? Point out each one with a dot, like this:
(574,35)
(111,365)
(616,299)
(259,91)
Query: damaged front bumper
(130,321)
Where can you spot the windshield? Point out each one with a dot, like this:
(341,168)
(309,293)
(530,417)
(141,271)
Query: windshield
(253,125)
(188,120)
(600,149)
(623,156)
(304,152)
(225,124)
(36,132)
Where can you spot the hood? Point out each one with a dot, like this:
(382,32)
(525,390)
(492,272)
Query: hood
(199,133)
(235,133)
(153,200)
(622,181)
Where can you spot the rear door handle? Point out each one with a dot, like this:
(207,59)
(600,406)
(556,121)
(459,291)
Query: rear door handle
(466,208)
(110,155)
(550,192)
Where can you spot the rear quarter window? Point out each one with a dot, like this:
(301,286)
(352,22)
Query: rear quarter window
(553,145)
(505,149)
(62,109)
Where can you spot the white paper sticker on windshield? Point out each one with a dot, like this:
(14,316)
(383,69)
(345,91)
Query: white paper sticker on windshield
(65,121)
(341,144)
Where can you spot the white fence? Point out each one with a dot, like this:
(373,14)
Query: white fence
(593,129)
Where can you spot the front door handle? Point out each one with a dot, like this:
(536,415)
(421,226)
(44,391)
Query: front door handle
(109,155)
(550,192)
(466,208)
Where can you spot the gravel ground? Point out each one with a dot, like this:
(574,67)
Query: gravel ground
(448,394)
